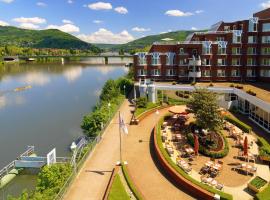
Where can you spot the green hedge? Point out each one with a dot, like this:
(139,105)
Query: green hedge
(244,127)
(148,107)
(263,195)
(131,186)
(258,182)
(117,191)
(223,195)
(224,152)
(264,147)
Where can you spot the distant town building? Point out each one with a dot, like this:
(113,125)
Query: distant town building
(235,51)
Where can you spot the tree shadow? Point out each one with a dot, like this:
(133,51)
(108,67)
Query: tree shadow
(100,172)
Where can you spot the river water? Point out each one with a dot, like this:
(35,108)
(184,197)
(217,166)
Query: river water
(47,114)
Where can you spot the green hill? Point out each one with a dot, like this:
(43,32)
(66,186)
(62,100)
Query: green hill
(51,38)
(148,40)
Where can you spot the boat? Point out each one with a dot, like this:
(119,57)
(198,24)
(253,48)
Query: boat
(30,59)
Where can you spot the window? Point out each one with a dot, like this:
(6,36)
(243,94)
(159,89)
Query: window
(266,39)
(181,51)
(206,73)
(236,50)
(265,73)
(237,36)
(227,28)
(251,62)
(220,38)
(234,27)
(222,46)
(265,62)
(221,62)
(241,26)
(182,73)
(220,73)
(253,24)
(265,51)
(266,27)
(170,58)
(252,39)
(142,58)
(156,72)
(235,73)
(155,59)
(171,72)
(206,61)
(251,73)
(142,72)
(251,51)
(236,62)
(207,47)
(183,62)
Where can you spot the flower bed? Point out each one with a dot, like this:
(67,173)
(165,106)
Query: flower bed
(257,184)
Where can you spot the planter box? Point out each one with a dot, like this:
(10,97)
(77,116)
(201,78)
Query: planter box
(265,158)
(257,190)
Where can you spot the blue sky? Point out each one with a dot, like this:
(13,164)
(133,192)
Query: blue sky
(120,21)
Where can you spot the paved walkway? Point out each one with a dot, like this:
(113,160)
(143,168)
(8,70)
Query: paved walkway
(91,182)
(143,170)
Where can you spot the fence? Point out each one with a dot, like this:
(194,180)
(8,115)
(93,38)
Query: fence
(91,146)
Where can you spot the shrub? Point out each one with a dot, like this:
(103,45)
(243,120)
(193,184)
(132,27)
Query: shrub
(173,83)
(211,85)
(141,102)
(239,87)
(231,85)
(258,182)
(244,127)
(193,83)
(264,147)
(251,93)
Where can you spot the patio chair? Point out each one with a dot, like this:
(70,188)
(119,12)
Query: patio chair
(219,186)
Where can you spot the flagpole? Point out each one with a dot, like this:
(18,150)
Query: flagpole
(120,139)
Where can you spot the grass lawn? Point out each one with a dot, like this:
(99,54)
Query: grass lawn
(148,107)
(118,191)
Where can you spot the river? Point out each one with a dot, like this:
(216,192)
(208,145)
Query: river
(47,114)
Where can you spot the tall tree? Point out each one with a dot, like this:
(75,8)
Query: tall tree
(203,103)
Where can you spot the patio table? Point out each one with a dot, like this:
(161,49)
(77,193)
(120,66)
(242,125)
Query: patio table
(209,163)
(178,136)
(214,182)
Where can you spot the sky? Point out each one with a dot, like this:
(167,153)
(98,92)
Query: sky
(121,21)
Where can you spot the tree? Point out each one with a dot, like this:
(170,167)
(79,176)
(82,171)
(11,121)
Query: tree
(141,102)
(203,104)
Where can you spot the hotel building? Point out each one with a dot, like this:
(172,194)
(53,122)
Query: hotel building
(235,51)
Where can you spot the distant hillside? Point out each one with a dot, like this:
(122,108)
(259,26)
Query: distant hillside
(51,38)
(148,40)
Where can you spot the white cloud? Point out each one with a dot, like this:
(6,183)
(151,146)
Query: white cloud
(178,13)
(35,78)
(29,26)
(97,21)
(3,23)
(194,28)
(32,20)
(199,11)
(72,74)
(121,10)
(140,29)
(265,5)
(70,1)
(41,4)
(100,6)
(68,28)
(107,37)
(66,21)
(7,1)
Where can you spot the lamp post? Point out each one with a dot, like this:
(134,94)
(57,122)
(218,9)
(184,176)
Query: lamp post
(125,90)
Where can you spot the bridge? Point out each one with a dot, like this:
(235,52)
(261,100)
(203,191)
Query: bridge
(90,59)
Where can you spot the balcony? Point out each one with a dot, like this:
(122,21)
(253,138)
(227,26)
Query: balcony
(195,74)
(197,62)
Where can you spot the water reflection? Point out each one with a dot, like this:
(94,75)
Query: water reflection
(72,74)
(35,78)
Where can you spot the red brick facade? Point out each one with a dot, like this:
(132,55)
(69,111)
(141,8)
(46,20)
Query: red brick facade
(237,51)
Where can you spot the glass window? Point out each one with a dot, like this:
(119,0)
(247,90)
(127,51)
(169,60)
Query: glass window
(221,62)
(181,51)
(251,73)
(206,73)
(227,28)
(156,72)
(237,36)
(236,50)
(251,62)
(183,62)
(171,72)
(170,58)
(265,50)
(266,27)
(206,61)
(265,39)
(220,38)
(265,73)
(142,58)
(155,59)
(235,73)
(265,62)
(253,24)
(142,72)
(251,51)
(207,47)
(236,62)
(182,72)
(220,73)
(252,39)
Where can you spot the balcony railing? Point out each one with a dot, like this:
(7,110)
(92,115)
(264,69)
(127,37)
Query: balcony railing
(197,62)
(195,74)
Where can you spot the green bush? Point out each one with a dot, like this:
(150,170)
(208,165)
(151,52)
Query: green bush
(258,182)
(263,195)
(223,195)
(264,147)
(203,150)
(141,102)
(244,127)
